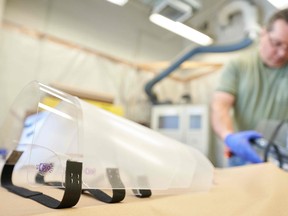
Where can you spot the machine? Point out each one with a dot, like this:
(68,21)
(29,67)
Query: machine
(188,124)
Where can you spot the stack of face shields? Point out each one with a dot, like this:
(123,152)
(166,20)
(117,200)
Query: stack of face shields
(55,139)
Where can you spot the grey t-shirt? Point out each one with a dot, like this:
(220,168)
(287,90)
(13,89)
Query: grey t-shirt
(261,92)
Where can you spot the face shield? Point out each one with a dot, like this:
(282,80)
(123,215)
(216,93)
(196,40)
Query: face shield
(35,150)
(60,140)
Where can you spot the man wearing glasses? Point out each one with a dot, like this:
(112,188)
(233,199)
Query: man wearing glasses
(255,86)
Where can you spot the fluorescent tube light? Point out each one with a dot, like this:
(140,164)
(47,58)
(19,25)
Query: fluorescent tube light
(181,29)
(118,2)
(279,4)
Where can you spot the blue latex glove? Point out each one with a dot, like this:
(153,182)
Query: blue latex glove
(239,144)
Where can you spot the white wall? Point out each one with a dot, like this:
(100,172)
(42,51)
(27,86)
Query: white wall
(120,31)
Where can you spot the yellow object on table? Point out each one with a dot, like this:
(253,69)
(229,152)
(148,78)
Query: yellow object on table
(118,110)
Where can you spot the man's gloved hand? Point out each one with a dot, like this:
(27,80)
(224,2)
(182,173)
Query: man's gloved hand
(239,144)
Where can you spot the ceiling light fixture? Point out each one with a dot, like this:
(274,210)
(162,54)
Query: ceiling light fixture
(181,29)
(279,4)
(118,2)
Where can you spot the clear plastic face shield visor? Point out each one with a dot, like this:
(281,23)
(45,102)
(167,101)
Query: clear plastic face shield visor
(55,139)
(35,152)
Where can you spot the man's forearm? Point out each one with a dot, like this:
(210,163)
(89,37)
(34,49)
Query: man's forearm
(221,117)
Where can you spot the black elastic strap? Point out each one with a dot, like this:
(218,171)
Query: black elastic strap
(142,193)
(100,195)
(40,180)
(118,194)
(73,184)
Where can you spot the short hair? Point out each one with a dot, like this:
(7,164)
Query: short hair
(281,14)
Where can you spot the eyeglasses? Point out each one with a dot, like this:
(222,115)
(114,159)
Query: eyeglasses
(277,45)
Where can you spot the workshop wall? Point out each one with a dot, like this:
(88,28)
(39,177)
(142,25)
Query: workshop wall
(87,24)
(24,59)
(118,31)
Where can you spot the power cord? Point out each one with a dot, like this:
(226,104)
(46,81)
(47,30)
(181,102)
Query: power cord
(271,144)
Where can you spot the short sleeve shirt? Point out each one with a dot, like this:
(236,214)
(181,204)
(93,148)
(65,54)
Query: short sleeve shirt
(260,92)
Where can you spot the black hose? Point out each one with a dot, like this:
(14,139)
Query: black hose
(202,49)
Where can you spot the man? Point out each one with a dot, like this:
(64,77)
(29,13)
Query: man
(255,86)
